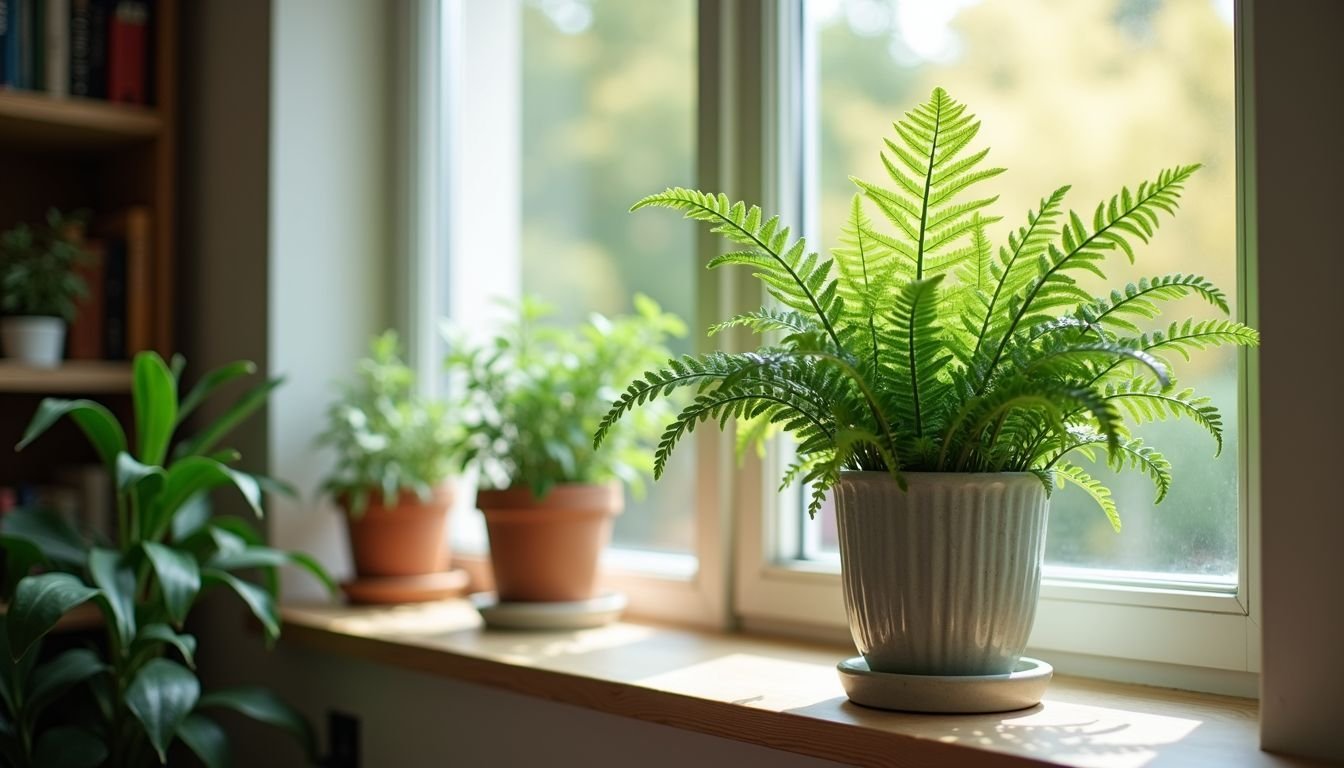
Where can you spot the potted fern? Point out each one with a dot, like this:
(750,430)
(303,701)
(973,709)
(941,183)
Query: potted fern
(395,451)
(531,399)
(38,287)
(939,386)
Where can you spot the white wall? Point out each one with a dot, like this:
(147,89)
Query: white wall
(331,246)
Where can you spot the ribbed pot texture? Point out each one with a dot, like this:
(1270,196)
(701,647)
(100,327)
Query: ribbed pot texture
(408,538)
(547,550)
(941,579)
(35,341)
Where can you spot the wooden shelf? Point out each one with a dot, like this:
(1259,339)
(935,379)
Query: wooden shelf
(36,120)
(75,377)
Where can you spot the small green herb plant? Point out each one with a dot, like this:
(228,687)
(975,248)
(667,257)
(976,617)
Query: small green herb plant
(533,395)
(128,702)
(37,268)
(387,437)
(919,347)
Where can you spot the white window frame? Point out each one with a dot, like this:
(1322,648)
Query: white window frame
(444,117)
(750,148)
(1143,629)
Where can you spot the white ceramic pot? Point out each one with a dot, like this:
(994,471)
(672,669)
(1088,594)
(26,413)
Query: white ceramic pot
(35,341)
(941,579)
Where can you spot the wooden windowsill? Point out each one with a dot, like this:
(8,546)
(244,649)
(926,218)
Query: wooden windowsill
(785,695)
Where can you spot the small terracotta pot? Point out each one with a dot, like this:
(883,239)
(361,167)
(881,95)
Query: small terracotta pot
(408,538)
(547,550)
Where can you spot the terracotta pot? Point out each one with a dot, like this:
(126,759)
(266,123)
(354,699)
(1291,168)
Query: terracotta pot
(408,538)
(547,550)
(942,578)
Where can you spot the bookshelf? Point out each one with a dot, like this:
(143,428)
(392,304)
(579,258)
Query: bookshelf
(77,153)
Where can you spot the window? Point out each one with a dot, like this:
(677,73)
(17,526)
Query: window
(560,113)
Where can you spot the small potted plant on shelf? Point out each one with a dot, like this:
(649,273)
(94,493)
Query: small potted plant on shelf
(531,398)
(39,286)
(940,388)
(136,700)
(395,451)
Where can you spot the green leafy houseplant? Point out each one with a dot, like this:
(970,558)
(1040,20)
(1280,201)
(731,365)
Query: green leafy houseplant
(126,704)
(534,394)
(37,268)
(385,436)
(918,347)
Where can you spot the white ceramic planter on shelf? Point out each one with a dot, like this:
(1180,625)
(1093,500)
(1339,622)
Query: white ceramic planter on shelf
(35,341)
(941,579)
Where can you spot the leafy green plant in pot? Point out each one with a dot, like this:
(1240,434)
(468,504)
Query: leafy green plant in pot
(941,387)
(395,451)
(39,286)
(129,702)
(531,399)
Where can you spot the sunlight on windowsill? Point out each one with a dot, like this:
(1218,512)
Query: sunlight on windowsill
(784,695)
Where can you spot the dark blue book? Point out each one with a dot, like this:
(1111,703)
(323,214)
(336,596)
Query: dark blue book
(88,48)
(14,44)
(4,42)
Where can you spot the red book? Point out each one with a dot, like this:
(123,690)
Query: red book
(128,53)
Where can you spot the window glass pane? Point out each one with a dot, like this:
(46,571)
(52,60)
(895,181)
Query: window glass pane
(1095,94)
(608,113)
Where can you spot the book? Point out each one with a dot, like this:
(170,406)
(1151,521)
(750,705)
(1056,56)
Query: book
(4,42)
(86,337)
(128,52)
(14,44)
(88,48)
(56,64)
(131,229)
(36,46)
(114,300)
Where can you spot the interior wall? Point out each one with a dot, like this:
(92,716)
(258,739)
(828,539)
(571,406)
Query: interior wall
(1298,163)
(331,250)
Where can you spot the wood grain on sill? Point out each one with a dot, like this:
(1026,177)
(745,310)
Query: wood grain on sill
(785,695)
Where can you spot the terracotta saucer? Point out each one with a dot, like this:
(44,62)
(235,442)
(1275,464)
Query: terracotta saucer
(407,589)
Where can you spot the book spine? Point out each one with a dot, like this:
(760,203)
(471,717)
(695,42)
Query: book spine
(4,43)
(98,22)
(57,77)
(139,280)
(114,300)
(86,332)
(14,67)
(37,45)
(128,38)
(80,34)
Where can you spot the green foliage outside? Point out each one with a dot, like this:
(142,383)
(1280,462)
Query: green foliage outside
(532,396)
(920,347)
(129,702)
(37,268)
(386,436)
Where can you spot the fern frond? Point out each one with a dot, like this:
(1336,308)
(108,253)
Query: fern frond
(766,320)
(1140,300)
(1130,452)
(913,337)
(1144,401)
(797,279)
(1100,493)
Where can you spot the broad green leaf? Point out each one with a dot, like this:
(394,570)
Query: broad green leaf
(131,472)
(161,696)
(230,558)
(69,747)
(39,602)
(153,635)
(99,425)
(52,536)
(258,600)
(54,678)
(20,556)
(179,579)
(242,408)
(265,707)
(204,737)
(154,392)
(116,581)
(190,517)
(212,381)
(197,474)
